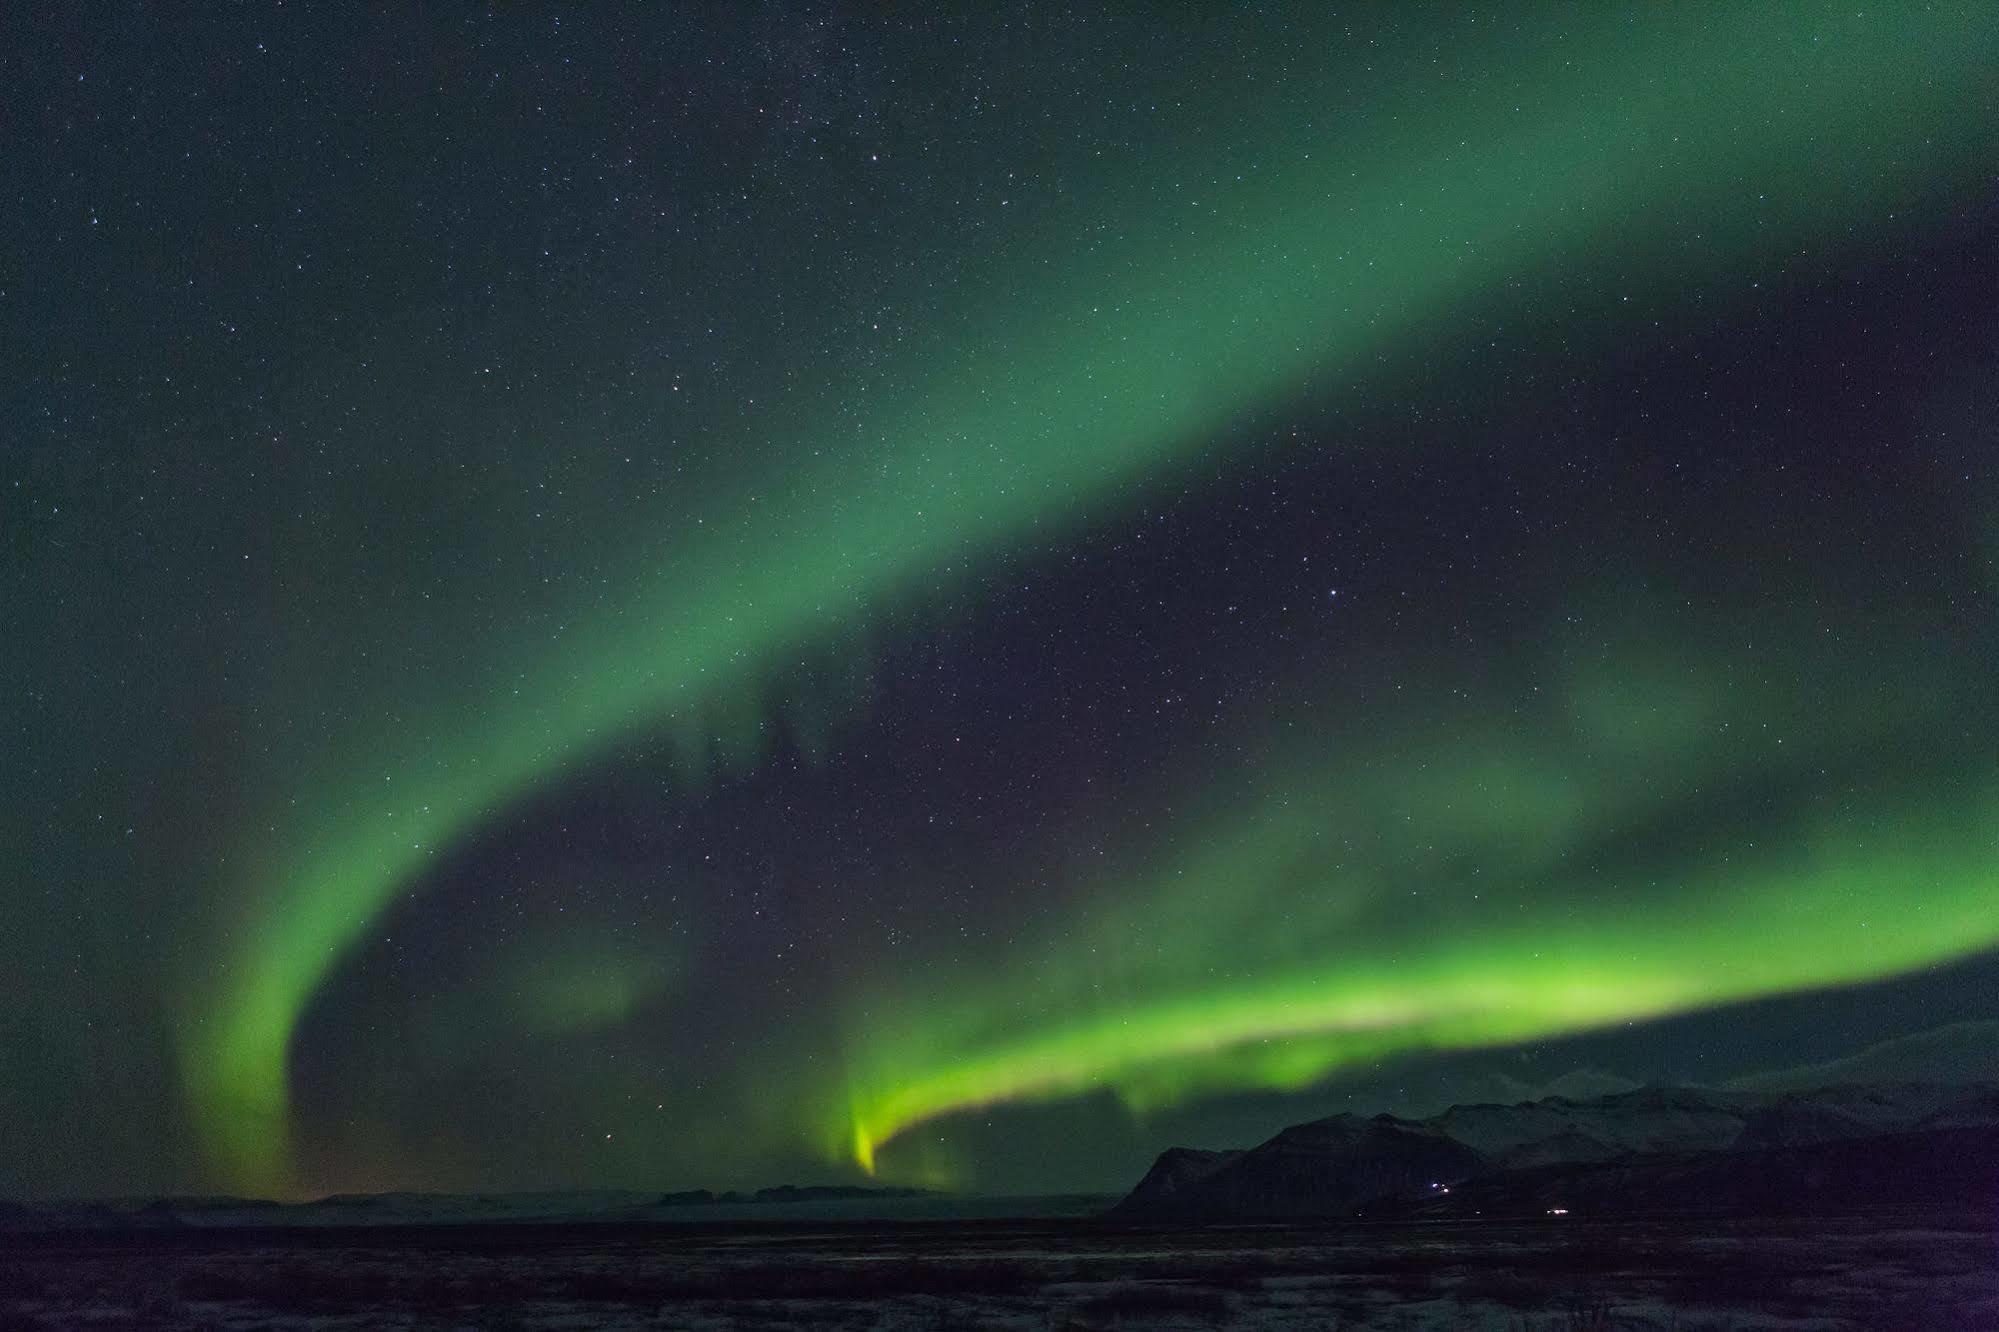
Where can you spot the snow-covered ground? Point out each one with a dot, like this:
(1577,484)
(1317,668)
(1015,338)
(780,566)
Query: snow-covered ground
(1546,1275)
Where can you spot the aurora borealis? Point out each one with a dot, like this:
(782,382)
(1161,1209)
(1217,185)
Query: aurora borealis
(707,597)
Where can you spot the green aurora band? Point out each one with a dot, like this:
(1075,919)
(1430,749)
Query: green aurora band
(1095,369)
(1445,893)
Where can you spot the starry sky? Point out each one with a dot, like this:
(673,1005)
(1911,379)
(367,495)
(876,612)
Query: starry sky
(708,595)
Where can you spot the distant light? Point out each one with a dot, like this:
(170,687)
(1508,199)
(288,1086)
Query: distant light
(1558,1211)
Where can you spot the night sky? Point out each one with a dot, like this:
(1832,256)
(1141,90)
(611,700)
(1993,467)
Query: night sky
(756,592)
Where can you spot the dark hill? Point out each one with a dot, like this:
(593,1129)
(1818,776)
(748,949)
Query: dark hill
(1329,1166)
(1944,1170)
(1653,1149)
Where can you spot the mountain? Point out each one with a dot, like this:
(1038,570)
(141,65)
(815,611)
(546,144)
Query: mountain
(1974,1107)
(1581,1084)
(1681,1147)
(1177,1172)
(1962,1052)
(1936,1170)
(783,1202)
(1797,1121)
(1330,1165)
(1650,1119)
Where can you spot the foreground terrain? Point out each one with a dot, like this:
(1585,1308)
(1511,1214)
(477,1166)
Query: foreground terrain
(1567,1273)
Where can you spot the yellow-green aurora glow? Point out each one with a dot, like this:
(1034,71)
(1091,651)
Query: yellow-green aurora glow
(1116,343)
(1445,896)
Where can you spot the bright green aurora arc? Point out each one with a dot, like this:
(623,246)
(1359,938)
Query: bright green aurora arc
(1646,781)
